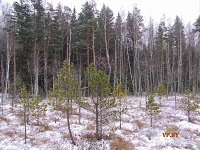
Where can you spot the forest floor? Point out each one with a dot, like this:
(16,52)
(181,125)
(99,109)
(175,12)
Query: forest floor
(136,132)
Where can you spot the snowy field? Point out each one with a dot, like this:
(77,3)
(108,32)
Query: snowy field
(136,133)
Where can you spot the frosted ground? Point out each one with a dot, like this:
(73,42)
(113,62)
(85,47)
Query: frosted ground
(136,132)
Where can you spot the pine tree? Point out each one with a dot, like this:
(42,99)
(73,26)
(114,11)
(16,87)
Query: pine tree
(25,104)
(179,44)
(74,38)
(190,104)
(65,90)
(85,20)
(197,25)
(120,92)
(24,32)
(37,108)
(100,89)
(152,108)
(106,30)
(134,26)
(38,36)
(161,91)
(160,53)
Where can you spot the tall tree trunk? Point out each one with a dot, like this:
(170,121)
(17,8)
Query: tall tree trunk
(25,136)
(97,119)
(46,60)
(188,110)
(88,50)
(7,66)
(107,45)
(93,46)
(129,64)
(115,64)
(35,68)
(68,124)
(2,83)
(67,42)
(70,41)
(180,85)
(120,63)
(169,80)
(14,64)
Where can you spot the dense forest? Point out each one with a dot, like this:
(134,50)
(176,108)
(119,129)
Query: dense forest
(36,39)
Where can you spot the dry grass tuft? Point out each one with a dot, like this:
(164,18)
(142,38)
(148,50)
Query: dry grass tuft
(173,128)
(197,133)
(36,142)
(120,144)
(65,135)
(33,141)
(127,132)
(88,136)
(2,118)
(139,124)
(189,146)
(90,127)
(9,133)
(186,133)
(44,127)
(109,137)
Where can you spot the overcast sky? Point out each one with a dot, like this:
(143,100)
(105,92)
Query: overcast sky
(188,10)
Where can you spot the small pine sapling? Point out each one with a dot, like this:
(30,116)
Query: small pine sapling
(161,91)
(152,108)
(37,108)
(140,104)
(24,101)
(102,105)
(65,90)
(189,104)
(121,92)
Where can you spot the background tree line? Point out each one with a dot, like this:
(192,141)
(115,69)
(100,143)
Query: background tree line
(37,38)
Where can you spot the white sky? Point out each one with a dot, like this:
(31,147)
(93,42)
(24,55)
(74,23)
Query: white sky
(188,10)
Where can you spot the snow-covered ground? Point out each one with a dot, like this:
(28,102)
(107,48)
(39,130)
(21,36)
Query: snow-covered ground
(136,132)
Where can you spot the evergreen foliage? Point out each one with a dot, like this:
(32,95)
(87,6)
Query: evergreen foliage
(152,108)
(65,90)
(37,108)
(135,55)
(161,91)
(121,101)
(100,89)
(25,105)
(190,104)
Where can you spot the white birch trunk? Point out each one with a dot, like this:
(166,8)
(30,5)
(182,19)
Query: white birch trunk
(7,67)
(106,43)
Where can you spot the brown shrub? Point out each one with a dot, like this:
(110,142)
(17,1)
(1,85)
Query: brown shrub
(9,133)
(173,128)
(44,127)
(65,136)
(37,142)
(127,132)
(2,118)
(33,141)
(139,124)
(120,144)
(90,127)
(88,136)
(109,137)
(197,133)
(189,146)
